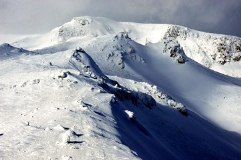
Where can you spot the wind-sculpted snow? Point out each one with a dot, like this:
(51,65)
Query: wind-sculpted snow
(94,88)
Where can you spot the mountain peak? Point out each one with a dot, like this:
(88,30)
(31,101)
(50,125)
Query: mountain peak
(85,26)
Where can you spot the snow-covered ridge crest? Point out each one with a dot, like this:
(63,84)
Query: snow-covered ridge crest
(8,51)
(81,61)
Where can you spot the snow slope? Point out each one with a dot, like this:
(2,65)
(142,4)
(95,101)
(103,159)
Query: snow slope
(99,89)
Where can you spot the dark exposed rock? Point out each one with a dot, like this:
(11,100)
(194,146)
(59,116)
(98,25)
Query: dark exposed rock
(121,36)
(237,58)
(123,94)
(80,50)
(181,60)
(183,111)
(173,53)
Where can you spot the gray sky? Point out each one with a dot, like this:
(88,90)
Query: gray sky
(38,16)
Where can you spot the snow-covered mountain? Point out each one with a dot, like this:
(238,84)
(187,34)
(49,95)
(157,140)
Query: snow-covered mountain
(94,88)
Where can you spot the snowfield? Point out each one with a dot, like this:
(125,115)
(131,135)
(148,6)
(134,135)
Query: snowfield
(94,88)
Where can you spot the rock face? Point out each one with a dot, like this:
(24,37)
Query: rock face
(218,49)
(174,49)
(121,49)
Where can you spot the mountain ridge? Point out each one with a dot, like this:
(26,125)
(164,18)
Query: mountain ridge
(210,50)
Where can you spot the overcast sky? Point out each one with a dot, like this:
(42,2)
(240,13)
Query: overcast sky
(39,16)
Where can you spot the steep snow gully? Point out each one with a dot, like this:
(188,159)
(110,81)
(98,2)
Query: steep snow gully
(94,88)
